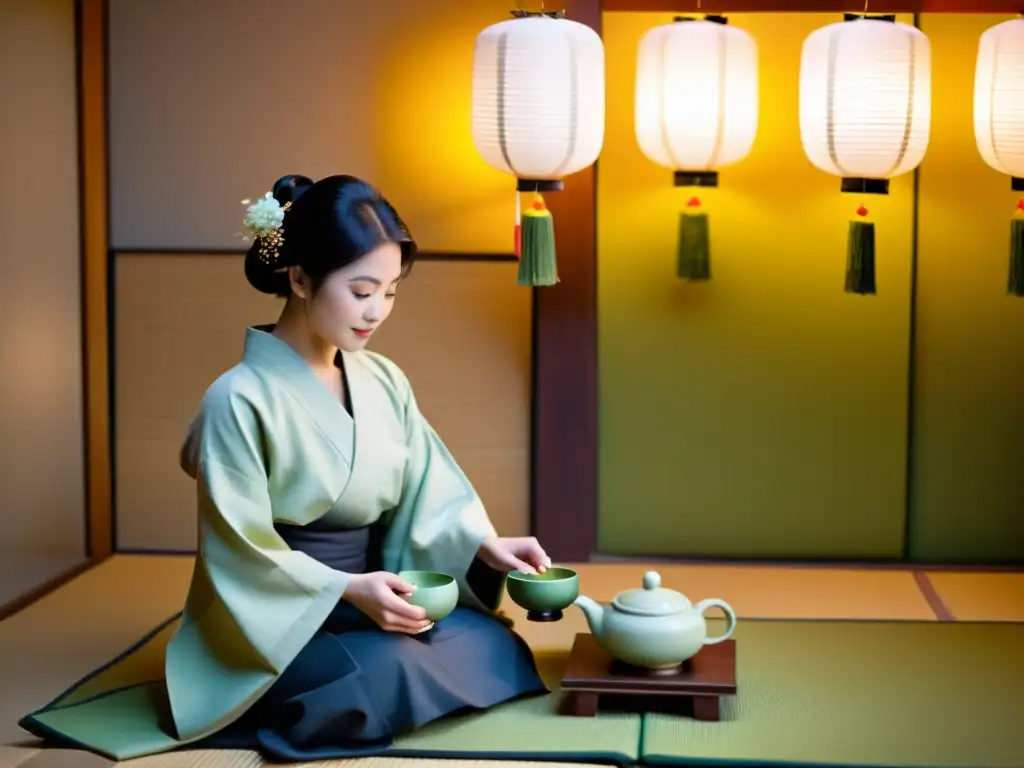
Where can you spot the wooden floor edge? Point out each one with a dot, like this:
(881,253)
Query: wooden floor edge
(931,594)
(47,588)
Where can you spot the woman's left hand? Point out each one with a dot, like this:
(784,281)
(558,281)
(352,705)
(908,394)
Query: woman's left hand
(522,554)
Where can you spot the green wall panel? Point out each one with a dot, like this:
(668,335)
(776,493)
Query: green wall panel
(763,413)
(968,458)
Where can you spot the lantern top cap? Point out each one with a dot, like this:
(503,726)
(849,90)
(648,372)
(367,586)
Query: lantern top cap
(520,13)
(713,19)
(889,17)
(538,22)
(854,23)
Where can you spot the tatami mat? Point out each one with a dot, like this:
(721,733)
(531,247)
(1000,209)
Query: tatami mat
(981,596)
(868,693)
(118,602)
(128,595)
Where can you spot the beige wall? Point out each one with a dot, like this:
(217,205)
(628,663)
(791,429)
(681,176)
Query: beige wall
(461,332)
(209,104)
(212,101)
(41,428)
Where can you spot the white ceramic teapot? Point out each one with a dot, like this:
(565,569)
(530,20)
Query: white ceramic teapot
(654,627)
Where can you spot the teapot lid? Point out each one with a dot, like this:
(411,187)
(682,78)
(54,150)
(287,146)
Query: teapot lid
(652,600)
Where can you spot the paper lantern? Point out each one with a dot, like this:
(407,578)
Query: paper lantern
(696,111)
(999,123)
(538,105)
(865,115)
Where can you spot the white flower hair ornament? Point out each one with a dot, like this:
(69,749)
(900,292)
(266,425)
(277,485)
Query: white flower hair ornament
(263,219)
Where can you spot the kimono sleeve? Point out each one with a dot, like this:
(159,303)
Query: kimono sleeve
(253,602)
(440,521)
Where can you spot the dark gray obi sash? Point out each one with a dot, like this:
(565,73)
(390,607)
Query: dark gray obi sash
(352,550)
(359,550)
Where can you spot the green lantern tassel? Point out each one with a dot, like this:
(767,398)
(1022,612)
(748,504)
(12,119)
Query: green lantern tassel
(537,263)
(694,255)
(1015,283)
(860,258)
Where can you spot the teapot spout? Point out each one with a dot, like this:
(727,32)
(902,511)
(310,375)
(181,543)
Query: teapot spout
(594,613)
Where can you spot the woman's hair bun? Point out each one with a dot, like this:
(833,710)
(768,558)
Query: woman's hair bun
(327,226)
(289,188)
(263,278)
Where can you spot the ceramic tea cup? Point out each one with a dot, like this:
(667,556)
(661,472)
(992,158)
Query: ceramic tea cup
(544,595)
(437,593)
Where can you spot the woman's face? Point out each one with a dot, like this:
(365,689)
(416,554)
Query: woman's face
(353,302)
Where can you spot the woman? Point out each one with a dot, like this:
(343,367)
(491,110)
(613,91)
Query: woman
(318,480)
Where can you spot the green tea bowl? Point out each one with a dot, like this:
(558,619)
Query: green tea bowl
(544,595)
(437,593)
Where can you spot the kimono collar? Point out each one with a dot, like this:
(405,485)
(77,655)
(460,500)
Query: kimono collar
(267,351)
(277,358)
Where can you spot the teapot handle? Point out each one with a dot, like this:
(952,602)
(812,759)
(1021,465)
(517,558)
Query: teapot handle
(730,618)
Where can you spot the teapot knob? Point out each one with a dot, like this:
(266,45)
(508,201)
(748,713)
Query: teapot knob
(652,580)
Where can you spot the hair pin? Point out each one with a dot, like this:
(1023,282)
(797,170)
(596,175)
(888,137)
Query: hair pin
(263,219)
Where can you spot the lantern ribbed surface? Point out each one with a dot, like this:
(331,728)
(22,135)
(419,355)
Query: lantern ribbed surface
(865,98)
(696,103)
(538,98)
(999,97)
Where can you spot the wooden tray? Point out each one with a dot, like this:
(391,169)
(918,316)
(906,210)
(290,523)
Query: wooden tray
(592,676)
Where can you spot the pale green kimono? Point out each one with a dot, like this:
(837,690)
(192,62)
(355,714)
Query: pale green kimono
(269,445)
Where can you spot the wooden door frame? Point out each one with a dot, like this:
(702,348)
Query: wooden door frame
(93,172)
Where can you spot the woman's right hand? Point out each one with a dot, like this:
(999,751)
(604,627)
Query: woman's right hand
(375,595)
